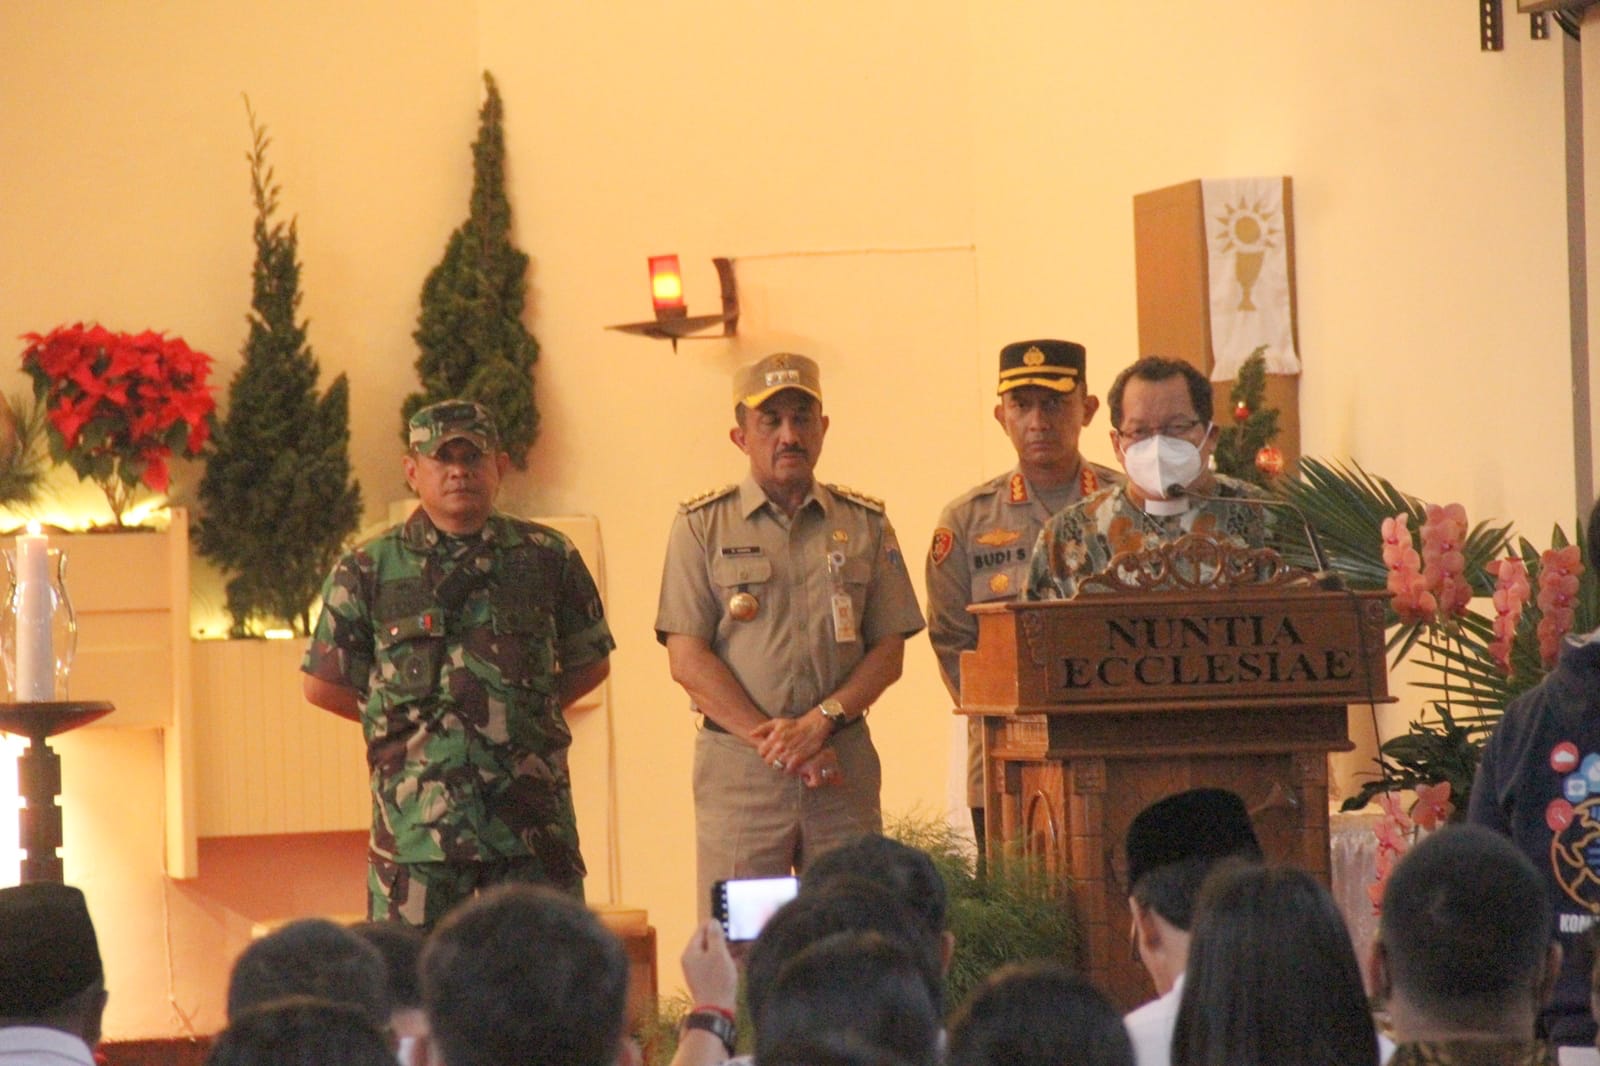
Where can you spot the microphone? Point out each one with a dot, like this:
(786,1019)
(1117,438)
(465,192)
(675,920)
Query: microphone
(1324,575)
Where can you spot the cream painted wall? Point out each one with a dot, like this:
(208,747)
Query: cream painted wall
(1429,216)
(125,198)
(774,137)
(905,188)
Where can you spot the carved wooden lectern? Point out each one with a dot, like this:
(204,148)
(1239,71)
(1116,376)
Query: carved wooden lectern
(1186,666)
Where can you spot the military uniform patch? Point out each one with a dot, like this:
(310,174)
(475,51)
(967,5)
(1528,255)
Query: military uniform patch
(1019,488)
(871,503)
(998,538)
(694,503)
(1088,482)
(943,541)
(742,606)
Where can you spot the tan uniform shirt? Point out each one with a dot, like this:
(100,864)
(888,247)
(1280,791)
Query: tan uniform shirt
(787,654)
(980,554)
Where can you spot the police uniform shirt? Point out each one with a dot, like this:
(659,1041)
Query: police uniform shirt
(980,554)
(785,654)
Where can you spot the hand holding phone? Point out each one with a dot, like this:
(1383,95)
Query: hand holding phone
(743,904)
(708,969)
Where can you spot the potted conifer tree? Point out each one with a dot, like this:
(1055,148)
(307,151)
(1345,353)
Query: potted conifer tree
(278,495)
(470,333)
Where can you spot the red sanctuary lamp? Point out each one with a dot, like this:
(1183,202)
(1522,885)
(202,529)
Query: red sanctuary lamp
(666,287)
(673,322)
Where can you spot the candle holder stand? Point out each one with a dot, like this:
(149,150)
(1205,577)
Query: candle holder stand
(39,775)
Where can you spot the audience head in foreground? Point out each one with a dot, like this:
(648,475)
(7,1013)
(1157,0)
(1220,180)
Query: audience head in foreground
(525,974)
(1464,949)
(401,947)
(852,986)
(846,905)
(50,971)
(907,872)
(1038,1014)
(1272,977)
(301,1031)
(1171,846)
(311,957)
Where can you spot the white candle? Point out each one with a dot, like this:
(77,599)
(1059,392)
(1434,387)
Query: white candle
(36,671)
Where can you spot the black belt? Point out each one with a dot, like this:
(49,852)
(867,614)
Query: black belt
(715,728)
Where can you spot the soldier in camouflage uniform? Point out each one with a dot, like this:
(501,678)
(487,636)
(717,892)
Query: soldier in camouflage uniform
(456,639)
(980,548)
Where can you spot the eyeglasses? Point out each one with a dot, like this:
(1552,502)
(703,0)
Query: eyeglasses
(1178,427)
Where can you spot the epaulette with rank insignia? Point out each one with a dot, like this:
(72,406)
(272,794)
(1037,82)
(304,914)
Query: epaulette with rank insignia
(694,503)
(871,503)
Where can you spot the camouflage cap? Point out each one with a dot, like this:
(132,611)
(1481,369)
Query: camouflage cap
(1054,365)
(437,424)
(753,384)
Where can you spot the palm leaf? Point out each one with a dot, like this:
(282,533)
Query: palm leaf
(1347,506)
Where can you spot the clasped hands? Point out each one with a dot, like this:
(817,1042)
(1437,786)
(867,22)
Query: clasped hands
(796,746)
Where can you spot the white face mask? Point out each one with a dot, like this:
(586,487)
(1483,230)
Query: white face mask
(1157,463)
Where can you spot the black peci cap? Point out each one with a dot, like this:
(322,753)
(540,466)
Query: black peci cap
(1203,823)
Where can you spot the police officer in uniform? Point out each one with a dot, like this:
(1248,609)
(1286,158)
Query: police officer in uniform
(785,606)
(980,548)
(457,639)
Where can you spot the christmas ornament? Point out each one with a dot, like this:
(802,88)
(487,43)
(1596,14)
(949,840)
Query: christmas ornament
(1269,460)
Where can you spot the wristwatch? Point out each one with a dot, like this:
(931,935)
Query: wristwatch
(833,711)
(715,1024)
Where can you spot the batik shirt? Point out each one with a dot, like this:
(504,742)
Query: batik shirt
(455,646)
(1082,539)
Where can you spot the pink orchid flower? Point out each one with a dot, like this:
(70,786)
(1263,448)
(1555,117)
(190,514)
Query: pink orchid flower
(1511,592)
(1558,588)
(1433,807)
(1444,535)
(1412,599)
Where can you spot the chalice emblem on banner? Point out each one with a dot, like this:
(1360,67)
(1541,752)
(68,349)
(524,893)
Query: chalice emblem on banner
(1248,231)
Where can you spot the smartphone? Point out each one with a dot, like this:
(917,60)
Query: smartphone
(743,904)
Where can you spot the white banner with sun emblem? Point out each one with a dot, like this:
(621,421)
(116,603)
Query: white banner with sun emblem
(1248,261)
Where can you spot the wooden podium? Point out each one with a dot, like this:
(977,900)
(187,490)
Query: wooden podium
(1151,684)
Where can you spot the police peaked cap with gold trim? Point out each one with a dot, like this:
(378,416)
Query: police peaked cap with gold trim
(48,950)
(1057,365)
(1202,823)
(754,384)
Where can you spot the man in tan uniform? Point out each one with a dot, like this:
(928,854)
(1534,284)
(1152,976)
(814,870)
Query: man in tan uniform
(785,606)
(981,545)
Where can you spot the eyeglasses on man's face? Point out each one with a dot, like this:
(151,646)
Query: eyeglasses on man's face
(1177,427)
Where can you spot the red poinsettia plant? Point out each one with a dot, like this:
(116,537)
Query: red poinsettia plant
(119,405)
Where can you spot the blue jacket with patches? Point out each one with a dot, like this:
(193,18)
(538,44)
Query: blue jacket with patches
(1539,784)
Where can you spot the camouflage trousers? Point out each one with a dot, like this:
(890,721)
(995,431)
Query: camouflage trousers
(421,893)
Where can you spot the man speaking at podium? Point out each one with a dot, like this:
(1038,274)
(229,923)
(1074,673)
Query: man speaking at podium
(1164,438)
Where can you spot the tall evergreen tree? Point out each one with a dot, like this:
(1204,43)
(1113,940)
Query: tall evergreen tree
(470,332)
(278,496)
